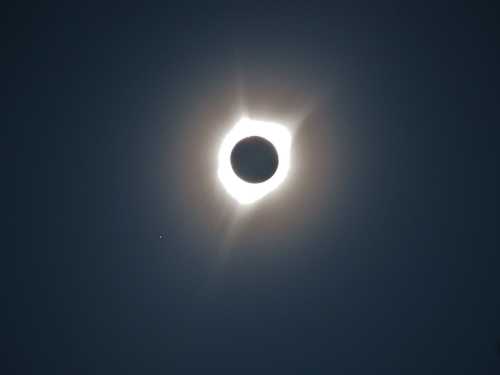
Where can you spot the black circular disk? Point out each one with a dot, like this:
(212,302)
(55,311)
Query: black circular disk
(254,159)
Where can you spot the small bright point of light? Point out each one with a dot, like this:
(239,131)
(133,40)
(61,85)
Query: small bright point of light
(246,192)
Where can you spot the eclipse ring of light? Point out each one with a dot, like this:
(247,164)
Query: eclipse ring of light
(247,192)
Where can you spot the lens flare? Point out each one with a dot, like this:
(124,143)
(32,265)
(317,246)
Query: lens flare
(246,192)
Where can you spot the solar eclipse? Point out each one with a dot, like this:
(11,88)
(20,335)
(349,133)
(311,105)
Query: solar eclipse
(254,159)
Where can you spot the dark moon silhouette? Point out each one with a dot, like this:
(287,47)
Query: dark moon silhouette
(254,159)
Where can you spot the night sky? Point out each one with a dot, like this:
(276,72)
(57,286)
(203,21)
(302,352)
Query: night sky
(122,254)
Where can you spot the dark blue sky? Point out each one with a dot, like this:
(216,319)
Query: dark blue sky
(381,256)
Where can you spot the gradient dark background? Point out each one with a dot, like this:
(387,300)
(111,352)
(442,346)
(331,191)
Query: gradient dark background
(387,263)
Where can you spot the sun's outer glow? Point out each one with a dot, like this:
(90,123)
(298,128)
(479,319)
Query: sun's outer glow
(245,192)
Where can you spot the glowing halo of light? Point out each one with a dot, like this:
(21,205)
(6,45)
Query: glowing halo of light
(246,192)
